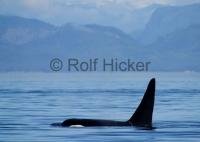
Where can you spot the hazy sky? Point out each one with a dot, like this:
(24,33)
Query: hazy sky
(85,11)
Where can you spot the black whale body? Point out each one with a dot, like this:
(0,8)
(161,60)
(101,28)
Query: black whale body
(142,117)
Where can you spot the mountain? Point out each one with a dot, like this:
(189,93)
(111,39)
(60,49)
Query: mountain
(93,36)
(18,31)
(28,44)
(178,50)
(168,19)
(122,15)
(170,41)
(172,36)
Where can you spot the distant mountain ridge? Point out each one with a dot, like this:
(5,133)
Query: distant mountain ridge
(14,29)
(17,30)
(168,19)
(24,41)
(170,41)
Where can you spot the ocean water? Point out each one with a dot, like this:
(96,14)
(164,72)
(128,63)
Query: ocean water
(30,102)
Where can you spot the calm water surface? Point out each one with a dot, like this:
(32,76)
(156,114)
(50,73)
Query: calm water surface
(30,102)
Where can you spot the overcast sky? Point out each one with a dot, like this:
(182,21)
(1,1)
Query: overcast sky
(63,11)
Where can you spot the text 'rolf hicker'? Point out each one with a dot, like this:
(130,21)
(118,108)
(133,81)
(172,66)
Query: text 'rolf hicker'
(92,65)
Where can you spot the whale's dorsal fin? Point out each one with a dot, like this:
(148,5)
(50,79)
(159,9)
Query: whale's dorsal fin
(143,114)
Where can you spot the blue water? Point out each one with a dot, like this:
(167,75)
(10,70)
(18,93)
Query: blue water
(30,102)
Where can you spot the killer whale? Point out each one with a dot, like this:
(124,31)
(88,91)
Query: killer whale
(142,117)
